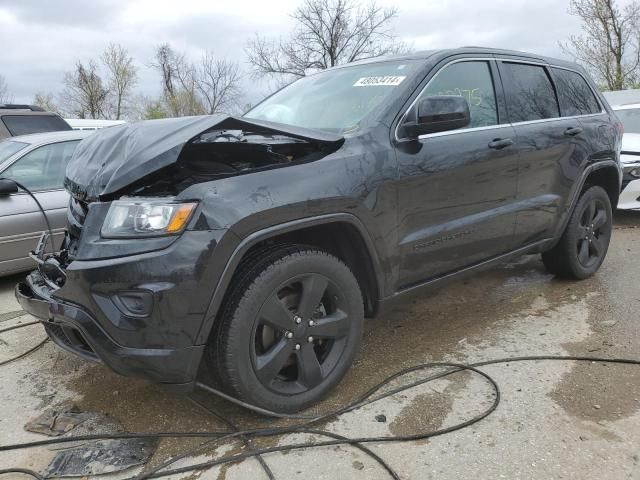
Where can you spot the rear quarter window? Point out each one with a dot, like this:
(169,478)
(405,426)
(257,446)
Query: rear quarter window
(574,94)
(26,124)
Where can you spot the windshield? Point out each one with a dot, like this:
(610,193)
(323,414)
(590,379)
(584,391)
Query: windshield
(9,147)
(337,100)
(630,118)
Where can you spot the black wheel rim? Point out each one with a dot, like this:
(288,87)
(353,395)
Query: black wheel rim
(593,233)
(300,334)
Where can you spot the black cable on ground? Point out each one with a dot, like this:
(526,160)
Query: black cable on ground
(24,354)
(234,428)
(24,471)
(365,399)
(298,429)
(31,350)
(20,325)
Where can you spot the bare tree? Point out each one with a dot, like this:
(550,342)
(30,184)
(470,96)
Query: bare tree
(327,33)
(46,101)
(179,84)
(85,94)
(4,91)
(218,83)
(122,76)
(610,44)
(209,86)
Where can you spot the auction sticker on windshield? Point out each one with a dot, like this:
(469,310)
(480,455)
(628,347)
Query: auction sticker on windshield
(379,81)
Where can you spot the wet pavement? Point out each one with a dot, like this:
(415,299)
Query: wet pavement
(556,420)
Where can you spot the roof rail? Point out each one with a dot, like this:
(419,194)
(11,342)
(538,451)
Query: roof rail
(17,106)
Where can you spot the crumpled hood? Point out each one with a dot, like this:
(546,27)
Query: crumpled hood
(115,157)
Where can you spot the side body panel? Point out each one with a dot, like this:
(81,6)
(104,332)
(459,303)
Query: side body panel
(550,164)
(455,198)
(554,153)
(21,224)
(455,193)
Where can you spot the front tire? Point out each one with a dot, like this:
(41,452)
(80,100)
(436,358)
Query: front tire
(585,241)
(289,329)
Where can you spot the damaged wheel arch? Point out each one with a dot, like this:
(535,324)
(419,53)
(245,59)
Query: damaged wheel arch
(369,274)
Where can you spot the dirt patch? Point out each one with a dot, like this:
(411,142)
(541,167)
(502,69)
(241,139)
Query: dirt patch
(427,411)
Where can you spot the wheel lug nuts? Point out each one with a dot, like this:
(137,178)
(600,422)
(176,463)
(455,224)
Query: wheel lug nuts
(311,323)
(297,319)
(289,334)
(310,339)
(297,346)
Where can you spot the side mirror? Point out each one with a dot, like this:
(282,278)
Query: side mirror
(7,187)
(437,114)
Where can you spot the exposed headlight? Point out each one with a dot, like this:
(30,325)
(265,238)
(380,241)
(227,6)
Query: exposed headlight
(147,218)
(635,172)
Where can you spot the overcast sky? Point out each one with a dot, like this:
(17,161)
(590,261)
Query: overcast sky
(42,39)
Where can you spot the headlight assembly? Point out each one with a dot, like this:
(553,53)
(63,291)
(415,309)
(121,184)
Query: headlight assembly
(146,218)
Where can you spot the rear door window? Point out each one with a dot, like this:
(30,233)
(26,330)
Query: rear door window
(529,92)
(574,94)
(42,168)
(473,81)
(26,124)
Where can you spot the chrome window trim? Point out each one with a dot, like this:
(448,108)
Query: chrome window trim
(501,125)
(462,130)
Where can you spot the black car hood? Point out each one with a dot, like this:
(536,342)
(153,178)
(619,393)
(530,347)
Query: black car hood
(115,157)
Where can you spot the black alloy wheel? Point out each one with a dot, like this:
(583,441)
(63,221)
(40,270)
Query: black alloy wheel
(594,240)
(300,335)
(289,329)
(583,245)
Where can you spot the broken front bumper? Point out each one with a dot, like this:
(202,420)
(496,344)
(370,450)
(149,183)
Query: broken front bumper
(76,330)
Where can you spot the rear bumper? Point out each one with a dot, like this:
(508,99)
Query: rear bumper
(74,329)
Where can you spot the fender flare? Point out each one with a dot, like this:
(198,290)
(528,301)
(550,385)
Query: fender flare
(246,243)
(610,163)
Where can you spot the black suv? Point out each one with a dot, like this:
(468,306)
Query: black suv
(16,119)
(247,251)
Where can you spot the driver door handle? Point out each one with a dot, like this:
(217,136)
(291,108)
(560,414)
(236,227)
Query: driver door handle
(573,131)
(500,143)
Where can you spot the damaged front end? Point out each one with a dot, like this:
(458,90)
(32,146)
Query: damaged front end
(131,283)
(165,156)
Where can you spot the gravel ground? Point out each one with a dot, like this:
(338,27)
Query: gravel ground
(556,419)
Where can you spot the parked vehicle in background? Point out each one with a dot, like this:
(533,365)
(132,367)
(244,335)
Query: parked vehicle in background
(38,162)
(91,124)
(629,115)
(26,119)
(622,97)
(249,250)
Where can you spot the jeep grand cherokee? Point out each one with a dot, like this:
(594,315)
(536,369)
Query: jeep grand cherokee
(248,251)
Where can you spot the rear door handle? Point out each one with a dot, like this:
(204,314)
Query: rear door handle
(573,131)
(500,143)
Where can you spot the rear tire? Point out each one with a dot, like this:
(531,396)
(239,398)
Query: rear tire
(262,353)
(585,241)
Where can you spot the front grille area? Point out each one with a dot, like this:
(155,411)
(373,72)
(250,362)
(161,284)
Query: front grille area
(71,338)
(76,215)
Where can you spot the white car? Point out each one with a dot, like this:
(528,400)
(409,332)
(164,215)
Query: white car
(629,115)
(91,124)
